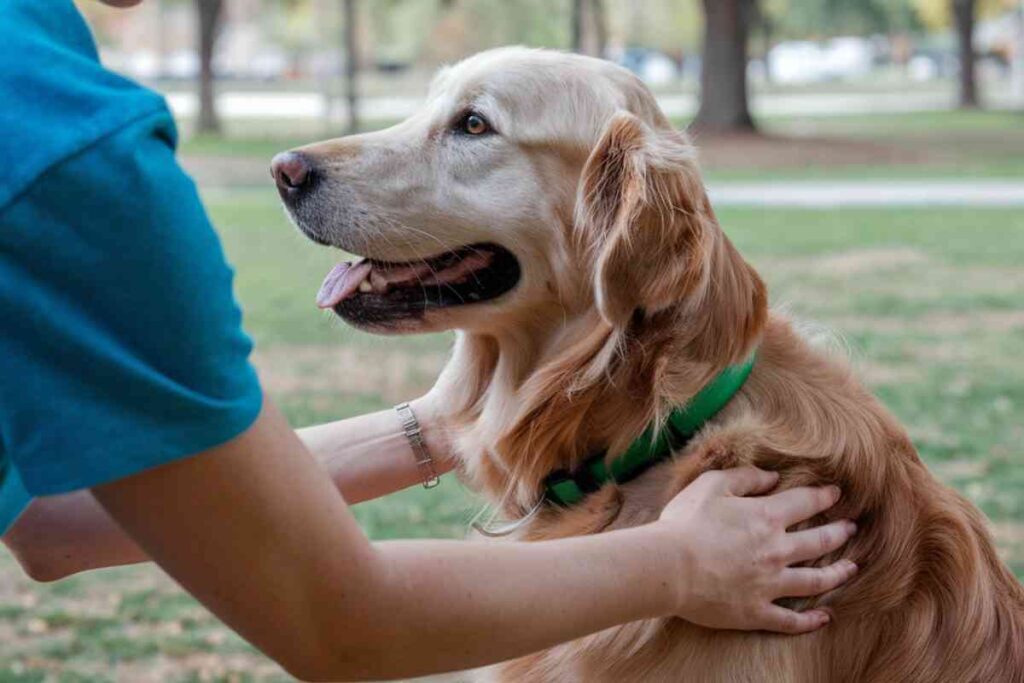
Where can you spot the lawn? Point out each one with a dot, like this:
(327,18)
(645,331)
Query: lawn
(928,302)
(942,144)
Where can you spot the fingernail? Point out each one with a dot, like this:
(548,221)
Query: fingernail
(835,493)
(824,618)
(851,566)
(852,526)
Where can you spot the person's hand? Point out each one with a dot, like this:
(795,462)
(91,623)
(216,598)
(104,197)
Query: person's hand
(737,551)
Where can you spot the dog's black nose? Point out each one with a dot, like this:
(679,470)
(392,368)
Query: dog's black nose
(292,172)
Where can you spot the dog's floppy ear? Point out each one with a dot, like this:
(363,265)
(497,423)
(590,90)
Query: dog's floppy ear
(655,242)
(635,210)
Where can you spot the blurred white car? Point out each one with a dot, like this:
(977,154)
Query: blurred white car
(849,57)
(141,64)
(658,69)
(808,62)
(797,62)
(181,64)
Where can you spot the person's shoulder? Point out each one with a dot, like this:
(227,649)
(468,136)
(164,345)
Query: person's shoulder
(58,98)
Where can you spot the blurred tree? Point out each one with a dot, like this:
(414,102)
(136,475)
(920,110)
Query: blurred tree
(577,24)
(671,26)
(810,18)
(724,104)
(209,13)
(295,26)
(937,14)
(351,65)
(589,27)
(399,30)
(488,23)
(767,27)
(600,17)
(963,17)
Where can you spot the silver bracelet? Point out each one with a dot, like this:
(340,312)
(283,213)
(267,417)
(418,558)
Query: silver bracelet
(413,432)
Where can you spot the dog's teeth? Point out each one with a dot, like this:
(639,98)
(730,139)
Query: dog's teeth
(365,286)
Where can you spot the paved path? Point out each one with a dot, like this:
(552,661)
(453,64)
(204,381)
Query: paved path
(234,174)
(312,105)
(919,193)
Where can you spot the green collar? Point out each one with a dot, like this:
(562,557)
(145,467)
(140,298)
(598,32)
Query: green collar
(566,488)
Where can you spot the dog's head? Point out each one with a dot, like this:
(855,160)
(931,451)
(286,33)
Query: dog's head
(544,204)
(529,180)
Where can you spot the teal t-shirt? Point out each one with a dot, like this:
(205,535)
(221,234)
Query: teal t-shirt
(121,345)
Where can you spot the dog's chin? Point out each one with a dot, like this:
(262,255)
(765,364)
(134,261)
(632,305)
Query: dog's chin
(424,295)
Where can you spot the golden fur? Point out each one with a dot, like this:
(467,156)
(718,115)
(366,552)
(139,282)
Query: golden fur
(932,602)
(633,299)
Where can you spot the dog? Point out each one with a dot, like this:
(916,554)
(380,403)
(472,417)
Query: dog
(543,207)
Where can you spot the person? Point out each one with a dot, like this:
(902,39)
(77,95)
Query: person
(134,428)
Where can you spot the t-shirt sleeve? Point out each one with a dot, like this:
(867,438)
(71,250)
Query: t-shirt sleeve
(122,346)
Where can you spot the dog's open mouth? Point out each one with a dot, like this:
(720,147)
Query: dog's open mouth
(371,291)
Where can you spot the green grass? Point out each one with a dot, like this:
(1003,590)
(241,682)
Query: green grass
(259,146)
(263,139)
(946,144)
(928,301)
(915,124)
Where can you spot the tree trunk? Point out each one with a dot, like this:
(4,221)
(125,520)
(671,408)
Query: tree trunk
(589,27)
(963,16)
(1018,57)
(767,25)
(577,25)
(723,80)
(324,22)
(600,27)
(209,13)
(351,66)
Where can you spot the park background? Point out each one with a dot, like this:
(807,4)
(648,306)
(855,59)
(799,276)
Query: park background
(866,155)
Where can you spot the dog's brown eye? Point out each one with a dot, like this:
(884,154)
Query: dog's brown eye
(474,124)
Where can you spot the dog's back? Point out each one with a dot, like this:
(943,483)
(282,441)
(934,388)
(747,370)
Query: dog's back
(932,601)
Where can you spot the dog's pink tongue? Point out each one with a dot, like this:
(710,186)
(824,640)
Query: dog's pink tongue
(341,283)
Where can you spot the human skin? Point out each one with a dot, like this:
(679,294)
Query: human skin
(366,457)
(327,604)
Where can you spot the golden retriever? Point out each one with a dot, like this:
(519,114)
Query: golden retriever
(543,206)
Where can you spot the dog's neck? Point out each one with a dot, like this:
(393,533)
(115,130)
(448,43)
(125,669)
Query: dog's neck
(525,403)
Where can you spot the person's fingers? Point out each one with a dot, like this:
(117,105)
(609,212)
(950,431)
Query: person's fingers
(747,481)
(802,582)
(799,504)
(810,544)
(782,620)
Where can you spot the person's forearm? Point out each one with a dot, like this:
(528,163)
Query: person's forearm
(324,602)
(369,456)
(366,456)
(328,605)
(476,603)
(58,536)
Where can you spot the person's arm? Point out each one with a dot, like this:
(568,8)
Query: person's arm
(258,533)
(367,456)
